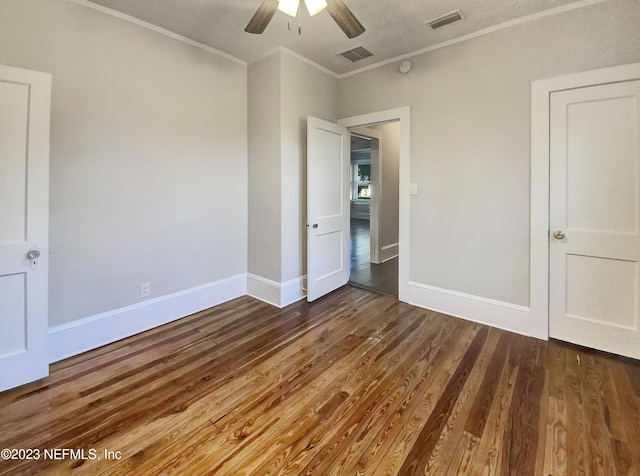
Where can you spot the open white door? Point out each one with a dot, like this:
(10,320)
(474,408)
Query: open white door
(24,218)
(327,207)
(594,245)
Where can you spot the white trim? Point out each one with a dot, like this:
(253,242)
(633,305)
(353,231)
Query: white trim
(157,29)
(361,216)
(491,312)
(403,115)
(282,49)
(388,252)
(263,289)
(309,62)
(486,31)
(271,52)
(275,293)
(539,239)
(79,336)
(293,291)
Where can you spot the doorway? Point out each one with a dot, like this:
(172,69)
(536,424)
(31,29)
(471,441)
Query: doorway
(374,207)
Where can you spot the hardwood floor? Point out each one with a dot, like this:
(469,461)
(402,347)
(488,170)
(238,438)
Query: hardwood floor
(356,383)
(382,277)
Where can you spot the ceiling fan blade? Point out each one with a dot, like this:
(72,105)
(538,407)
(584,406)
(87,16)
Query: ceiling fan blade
(262,17)
(346,20)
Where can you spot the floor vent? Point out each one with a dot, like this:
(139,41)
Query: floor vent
(357,54)
(445,20)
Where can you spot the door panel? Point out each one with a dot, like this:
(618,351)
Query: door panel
(602,155)
(13,141)
(13,314)
(24,190)
(326,169)
(327,207)
(602,290)
(594,185)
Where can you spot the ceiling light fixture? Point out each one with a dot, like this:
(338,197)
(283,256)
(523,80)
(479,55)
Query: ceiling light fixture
(315,6)
(291,7)
(340,13)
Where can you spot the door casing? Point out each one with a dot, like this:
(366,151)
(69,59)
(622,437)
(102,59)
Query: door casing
(403,115)
(540,143)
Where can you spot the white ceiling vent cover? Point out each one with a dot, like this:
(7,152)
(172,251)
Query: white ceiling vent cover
(446,19)
(356,54)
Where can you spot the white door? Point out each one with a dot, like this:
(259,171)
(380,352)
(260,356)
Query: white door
(594,217)
(327,207)
(24,212)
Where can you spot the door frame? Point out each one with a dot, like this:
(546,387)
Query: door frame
(540,161)
(403,115)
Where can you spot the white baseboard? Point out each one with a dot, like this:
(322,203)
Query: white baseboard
(494,313)
(79,336)
(275,293)
(293,290)
(388,252)
(264,289)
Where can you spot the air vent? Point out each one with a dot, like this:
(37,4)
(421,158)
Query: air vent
(357,54)
(445,20)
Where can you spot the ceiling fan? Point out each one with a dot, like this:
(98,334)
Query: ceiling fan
(345,19)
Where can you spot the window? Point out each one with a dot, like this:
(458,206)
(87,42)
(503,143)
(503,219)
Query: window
(361,180)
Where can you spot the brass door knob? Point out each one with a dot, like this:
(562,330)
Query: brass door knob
(558,234)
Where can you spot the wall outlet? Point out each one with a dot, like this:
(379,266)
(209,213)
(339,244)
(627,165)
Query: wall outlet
(145,290)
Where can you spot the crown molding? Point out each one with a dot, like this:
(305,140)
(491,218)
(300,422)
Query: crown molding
(486,31)
(157,29)
(380,64)
(293,54)
(309,62)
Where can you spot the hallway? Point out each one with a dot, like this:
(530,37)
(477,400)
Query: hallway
(383,277)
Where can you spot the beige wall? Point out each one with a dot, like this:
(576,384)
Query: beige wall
(306,91)
(265,148)
(149,150)
(283,91)
(148,156)
(470,139)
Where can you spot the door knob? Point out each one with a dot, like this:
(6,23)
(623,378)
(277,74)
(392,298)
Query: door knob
(33,254)
(558,234)
(315,225)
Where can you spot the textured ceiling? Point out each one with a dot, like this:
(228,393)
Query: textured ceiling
(394,27)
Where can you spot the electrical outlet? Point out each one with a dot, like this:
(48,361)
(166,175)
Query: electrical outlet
(145,290)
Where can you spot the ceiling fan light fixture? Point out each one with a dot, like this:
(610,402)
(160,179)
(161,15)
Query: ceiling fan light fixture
(315,6)
(290,7)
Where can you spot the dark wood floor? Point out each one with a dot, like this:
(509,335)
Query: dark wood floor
(355,383)
(381,277)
